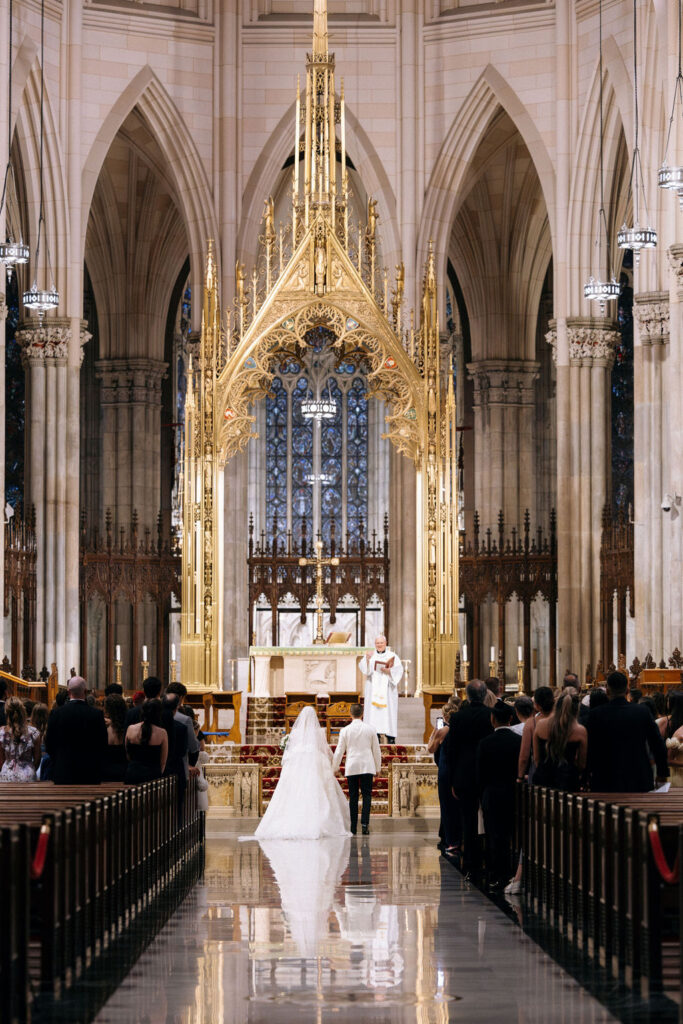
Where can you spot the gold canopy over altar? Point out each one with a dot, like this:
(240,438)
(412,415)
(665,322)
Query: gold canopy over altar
(317,270)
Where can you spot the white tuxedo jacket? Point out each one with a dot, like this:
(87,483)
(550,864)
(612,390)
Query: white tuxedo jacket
(360,744)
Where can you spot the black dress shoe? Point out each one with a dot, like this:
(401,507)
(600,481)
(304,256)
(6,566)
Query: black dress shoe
(366,830)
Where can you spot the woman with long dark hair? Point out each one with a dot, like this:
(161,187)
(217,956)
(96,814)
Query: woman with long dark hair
(146,745)
(116,762)
(674,742)
(19,745)
(561,746)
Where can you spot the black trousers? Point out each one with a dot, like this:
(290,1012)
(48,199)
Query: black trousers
(364,783)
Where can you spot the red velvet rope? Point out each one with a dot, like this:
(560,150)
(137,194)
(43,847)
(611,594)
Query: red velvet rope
(41,853)
(669,875)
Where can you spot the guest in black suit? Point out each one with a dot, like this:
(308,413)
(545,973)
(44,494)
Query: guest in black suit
(466,729)
(621,737)
(3,697)
(76,739)
(177,744)
(497,757)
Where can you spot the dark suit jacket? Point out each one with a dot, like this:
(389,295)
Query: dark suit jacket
(133,716)
(177,748)
(619,735)
(497,758)
(467,727)
(76,740)
(3,720)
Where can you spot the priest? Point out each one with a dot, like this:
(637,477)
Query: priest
(383,671)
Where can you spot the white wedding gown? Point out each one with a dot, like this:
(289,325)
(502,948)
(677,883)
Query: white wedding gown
(308,802)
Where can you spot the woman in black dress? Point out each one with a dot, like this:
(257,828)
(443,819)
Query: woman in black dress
(146,745)
(561,746)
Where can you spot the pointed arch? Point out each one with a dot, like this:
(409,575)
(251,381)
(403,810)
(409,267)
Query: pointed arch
(268,166)
(445,191)
(55,204)
(584,187)
(146,92)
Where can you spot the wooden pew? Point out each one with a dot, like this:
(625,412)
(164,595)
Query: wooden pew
(110,852)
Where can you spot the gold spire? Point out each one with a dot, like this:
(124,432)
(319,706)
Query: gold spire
(320,28)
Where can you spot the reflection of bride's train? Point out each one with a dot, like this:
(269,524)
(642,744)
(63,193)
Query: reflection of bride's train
(307,872)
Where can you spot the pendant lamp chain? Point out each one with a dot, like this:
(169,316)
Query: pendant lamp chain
(637,237)
(672,177)
(12,253)
(36,299)
(596,289)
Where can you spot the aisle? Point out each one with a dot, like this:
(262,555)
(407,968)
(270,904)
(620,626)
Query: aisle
(374,929)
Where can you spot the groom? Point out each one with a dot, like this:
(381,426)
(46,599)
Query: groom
(363,761)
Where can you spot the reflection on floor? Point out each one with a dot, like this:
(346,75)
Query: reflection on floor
(372,929)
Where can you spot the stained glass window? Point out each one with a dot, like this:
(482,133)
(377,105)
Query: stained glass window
(337,448)
(622,399)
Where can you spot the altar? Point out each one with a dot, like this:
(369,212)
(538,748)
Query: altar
(320,668)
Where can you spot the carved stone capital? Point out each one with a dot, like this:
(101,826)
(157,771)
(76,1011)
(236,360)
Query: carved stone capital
(651,313)
(503,382)
(130,381)
(675,254)
(592,341)
(49,340)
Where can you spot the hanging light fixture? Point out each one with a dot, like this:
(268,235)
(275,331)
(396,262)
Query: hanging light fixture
(11,253)
(324,479)
(637,237)
(38,299)
(320,408)
(671,177)
(596,289)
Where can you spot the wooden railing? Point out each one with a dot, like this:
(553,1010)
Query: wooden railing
(44,690)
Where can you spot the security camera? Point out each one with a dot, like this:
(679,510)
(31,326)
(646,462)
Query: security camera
(667,502)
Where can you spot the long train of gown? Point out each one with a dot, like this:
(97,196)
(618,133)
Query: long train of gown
(308,802)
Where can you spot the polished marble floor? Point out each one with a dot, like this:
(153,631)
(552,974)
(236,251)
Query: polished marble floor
(374,929)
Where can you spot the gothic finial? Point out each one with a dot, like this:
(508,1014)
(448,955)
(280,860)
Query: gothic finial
(320,28)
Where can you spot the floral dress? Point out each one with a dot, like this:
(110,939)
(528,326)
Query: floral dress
(18,765)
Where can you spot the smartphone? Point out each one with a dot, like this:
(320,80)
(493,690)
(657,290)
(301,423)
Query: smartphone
(439,722)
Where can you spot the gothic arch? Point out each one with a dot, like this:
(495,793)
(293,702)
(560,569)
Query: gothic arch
(445,190)
(166,124)
(269,163)
(27,135)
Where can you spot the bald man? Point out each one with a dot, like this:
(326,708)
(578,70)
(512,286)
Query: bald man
(383,671)
(76,739)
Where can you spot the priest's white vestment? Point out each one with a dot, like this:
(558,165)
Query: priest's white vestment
(381,691)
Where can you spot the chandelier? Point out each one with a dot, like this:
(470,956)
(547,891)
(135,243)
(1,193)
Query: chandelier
(324,479)
(319,409)
(637,237)
(11,253)
(671,177)
(41,300)
(596,289)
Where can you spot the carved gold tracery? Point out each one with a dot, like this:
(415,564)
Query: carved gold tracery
(321,271)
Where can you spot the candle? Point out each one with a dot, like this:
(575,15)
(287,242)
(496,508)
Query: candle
(118,652)
(172,652)
(493,654)
(520,653)
(144,653)
(464,652)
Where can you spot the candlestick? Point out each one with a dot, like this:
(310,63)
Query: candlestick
(117,668)
(145,667)
(520,672)
(465,671)
(174,670)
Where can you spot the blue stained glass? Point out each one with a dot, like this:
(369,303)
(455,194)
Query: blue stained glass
(276,459)
(302,463)
(357,459)
(331,462)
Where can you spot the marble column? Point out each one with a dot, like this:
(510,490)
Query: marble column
(504,420)
(583,483)
(651,352)
(672,464)
(130,395)
(52,418)
(5,632)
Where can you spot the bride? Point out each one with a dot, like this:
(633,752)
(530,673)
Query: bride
(308,802)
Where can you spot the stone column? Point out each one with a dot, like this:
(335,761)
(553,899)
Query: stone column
(3,316)
(583,484)
(131,428)
(504,420)
(672,464)
(650,355)
(504,404)
(403,612)
(51,421)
